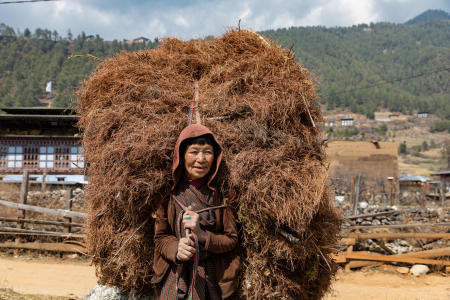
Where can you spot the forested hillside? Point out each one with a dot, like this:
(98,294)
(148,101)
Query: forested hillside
(395,66)
(29,60)
(401,67)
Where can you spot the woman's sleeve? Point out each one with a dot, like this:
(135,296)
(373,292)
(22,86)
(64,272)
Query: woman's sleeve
(226,241)
(166,243)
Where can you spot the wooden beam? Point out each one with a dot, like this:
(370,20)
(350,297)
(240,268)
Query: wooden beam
(42,222)
(57,212)
(2,228)
(399,226)
(366,236)
(398,258)
(341,258)
(347,241)
(384,213)
(50,234)
(59,247)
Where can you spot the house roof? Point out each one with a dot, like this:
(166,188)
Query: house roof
(409,177)
(441,173)
(37,111)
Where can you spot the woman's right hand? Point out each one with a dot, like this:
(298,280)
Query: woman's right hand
(186,249)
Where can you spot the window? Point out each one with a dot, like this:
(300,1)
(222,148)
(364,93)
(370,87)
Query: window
(62,157)
(46,157)
(3,156)
(76,157)
(14,157)
(30,157)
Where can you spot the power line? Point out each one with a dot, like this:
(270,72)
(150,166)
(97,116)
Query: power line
(383,82)
(26,1)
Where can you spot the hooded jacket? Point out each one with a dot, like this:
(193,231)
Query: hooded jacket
(221,243)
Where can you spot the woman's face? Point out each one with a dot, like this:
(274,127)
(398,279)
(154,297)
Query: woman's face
(198,160)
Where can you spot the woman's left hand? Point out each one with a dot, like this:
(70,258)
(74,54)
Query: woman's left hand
(191,220)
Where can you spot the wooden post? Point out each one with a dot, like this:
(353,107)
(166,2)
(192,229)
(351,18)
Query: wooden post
(68,204)
(391,194)
(442,192)
(196,104)
(24,190)
(352,196)
(43,183)
(23,200)
(347,265)
(422,194)
(356,199)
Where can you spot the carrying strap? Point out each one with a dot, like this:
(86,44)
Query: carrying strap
(195,238)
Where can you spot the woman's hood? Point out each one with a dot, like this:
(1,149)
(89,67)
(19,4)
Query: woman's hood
(193,131)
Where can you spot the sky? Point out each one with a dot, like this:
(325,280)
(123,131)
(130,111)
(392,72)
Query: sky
(119,19)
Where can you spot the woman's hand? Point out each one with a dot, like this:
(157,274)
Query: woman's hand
(186,249)
(191,221)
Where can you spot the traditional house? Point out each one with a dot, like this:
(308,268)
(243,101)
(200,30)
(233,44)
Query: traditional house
(422,114)
(347,121)
(40,141)
(140,39)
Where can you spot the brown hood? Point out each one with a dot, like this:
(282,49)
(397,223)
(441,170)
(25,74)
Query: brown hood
(193,131)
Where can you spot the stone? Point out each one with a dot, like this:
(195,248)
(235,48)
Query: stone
(402,270)
(418,270)
(103,292)
(376,222)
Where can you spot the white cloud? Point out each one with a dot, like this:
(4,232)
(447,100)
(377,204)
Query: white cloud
(187,19)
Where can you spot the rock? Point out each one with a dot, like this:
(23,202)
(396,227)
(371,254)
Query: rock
(418,270)
(376,222)
(402,270)
(363,205)
(103,292)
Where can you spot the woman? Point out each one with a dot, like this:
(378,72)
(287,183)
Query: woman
(195,233)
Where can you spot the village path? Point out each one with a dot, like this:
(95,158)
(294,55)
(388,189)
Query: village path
(74,279)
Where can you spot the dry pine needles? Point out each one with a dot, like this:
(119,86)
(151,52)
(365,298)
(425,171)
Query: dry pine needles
(261,105)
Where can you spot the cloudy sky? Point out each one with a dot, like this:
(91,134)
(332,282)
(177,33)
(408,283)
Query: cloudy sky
(119,19)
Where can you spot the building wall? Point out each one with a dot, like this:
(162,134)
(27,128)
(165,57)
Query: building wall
(39,154)
(348,158)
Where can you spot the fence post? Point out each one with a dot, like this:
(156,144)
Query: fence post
(68,206)
(442,192)
(44,183)
(356,198)
(23,200)
(24,192)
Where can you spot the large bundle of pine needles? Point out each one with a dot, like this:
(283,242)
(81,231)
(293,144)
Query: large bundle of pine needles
(262,106)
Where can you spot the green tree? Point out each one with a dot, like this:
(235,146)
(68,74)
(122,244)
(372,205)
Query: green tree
(402,148)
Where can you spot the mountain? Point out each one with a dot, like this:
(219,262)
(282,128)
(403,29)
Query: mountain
(430,15)
(367,67)
(29,60)
(362,68)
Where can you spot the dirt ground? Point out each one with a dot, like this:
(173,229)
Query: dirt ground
(25,278)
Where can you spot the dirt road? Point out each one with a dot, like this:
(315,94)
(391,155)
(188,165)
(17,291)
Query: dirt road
(74,279)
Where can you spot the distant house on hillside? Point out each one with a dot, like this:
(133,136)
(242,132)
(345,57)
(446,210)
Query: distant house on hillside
(347,121)
(329,123)
(382,116)
(140,39)
(422,114)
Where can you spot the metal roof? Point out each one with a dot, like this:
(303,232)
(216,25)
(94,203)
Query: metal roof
(38,111)
(409,177)
(441,173)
